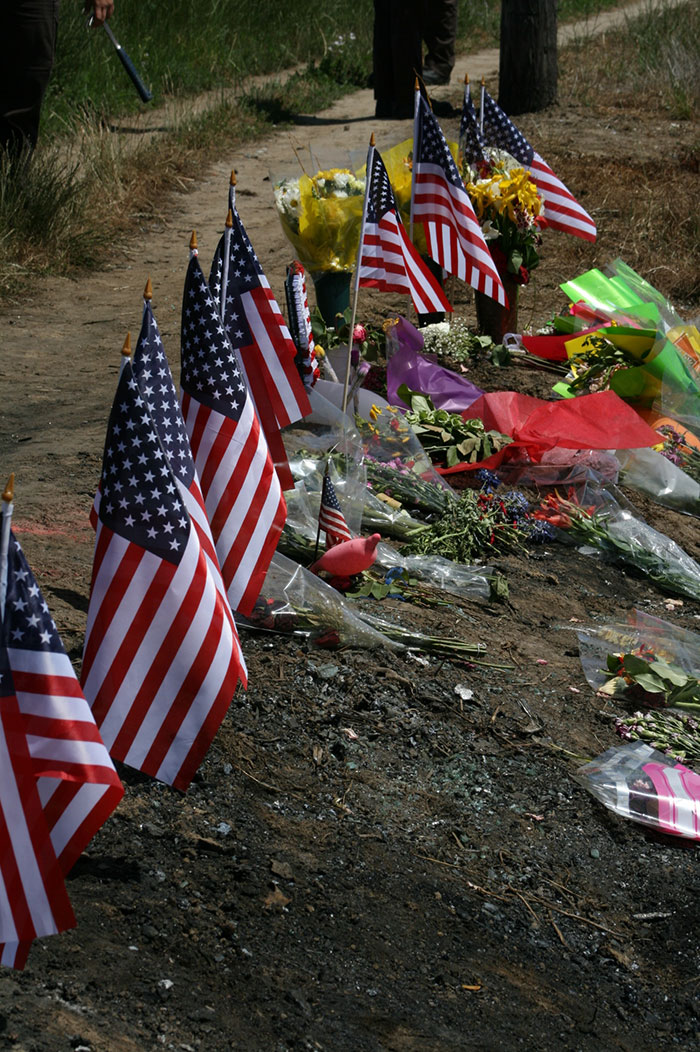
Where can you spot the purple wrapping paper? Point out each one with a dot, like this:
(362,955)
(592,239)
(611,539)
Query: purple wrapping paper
(421,373)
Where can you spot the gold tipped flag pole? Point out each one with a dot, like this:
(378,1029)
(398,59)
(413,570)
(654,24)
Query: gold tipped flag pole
(193,244)
(7,508)
(356,283)
(148,291)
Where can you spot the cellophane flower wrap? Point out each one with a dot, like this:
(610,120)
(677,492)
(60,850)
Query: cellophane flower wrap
(321,215)
(509,209)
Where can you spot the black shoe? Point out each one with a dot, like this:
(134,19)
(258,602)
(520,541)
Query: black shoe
(432,77)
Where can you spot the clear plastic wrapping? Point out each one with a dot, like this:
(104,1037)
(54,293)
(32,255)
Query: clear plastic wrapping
(296,602)
(675,645)
(651,473)
(637,782)
(596,517)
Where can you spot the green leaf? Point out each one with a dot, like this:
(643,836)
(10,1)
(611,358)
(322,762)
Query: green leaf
(650,684)
(669,672)
(452,456)
(634,665)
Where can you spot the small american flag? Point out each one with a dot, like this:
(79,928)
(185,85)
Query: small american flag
(330,517)
(561,209)
(471,142)
(257,331)
(440,201)
(161,662)
(57,782)
(242,493)
(388,259)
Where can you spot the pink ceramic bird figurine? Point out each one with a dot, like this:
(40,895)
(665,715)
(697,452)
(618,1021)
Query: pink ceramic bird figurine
(348,557)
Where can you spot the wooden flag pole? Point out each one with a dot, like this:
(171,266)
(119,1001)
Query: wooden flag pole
(356,284)
(193,244)
(7,508)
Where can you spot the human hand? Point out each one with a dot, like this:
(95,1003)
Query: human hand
(101,10)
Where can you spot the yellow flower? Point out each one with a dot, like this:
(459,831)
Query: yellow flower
(374,412)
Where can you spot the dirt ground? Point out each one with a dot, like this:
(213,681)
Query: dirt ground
(435,880)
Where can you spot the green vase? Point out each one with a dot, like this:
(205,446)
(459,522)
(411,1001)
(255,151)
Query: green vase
(332,293)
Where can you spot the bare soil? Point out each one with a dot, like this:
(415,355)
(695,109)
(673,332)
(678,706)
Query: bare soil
(435,880)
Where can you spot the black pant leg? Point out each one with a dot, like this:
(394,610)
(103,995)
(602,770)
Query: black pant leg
(28,30)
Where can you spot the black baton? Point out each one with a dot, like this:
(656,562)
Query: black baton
(128,65)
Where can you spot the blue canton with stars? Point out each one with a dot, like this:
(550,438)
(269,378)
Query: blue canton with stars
(432,148)
(244,272)
(500,131)
(152,371)
(27,623)
(470,138)
(380,198)
(210,372)
(140,500)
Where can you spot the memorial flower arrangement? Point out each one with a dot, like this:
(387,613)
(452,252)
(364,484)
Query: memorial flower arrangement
(614,531)
(509,209)
(321,216)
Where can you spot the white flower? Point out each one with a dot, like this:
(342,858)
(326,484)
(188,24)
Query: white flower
(489,231)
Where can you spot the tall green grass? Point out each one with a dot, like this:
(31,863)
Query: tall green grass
(181,47)
(666,51)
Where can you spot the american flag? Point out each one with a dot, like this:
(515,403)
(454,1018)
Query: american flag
(57,782)
(257,331)
(561,209)
(161,662)
(471,142)
(440,201)
(152,371)
(330,517)
(388,260)
(242,493)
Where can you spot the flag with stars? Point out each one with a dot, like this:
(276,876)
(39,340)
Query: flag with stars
(257,331)
(331,518)
(388,259)
(160,662)
(471,142)
(57,782)
(152,372)
(441,203)
(242,493)
(561,209)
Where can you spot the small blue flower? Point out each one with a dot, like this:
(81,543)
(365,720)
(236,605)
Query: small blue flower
(488,479)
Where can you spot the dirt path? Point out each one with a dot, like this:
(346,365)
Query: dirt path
(61,349)
(364,863)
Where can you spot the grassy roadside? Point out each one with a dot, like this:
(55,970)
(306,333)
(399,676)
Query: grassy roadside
(182,49)
(48,220)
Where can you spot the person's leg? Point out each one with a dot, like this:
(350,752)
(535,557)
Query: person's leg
(383,77)
(28,31)
(406,53)
(439,33)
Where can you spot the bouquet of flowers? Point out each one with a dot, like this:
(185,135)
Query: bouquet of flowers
(509,208)
(321,216)
(613,530)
